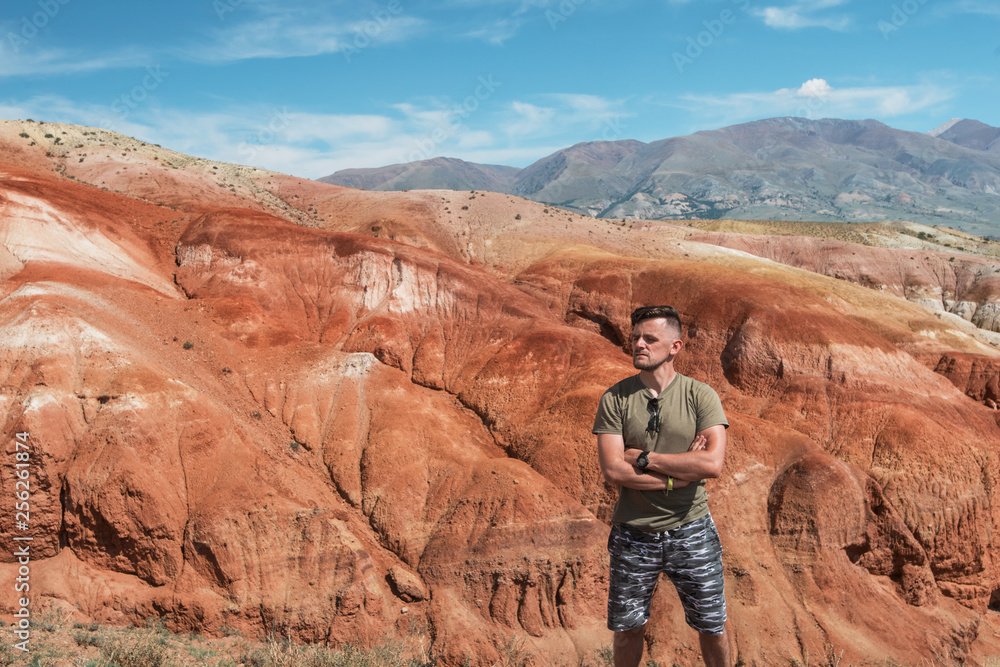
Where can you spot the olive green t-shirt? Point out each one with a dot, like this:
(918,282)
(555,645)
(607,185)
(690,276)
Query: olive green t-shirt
(686,407)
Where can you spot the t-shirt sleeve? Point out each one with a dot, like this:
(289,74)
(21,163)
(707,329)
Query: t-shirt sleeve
(609,414)
(710,412)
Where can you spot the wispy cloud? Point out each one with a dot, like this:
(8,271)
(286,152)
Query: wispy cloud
(522,6)
(980,7)
(291,34)
(255,30)
(58,61)
(816,98)
(527,119)
(268,38)
(497,32)
(805,14)
(563,112)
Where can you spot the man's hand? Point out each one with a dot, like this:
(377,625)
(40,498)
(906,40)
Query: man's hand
(700,442)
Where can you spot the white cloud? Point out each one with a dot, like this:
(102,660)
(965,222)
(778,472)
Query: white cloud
(818,99)
(982,7)
(815,88)
(529,119)
(312,145)
(567,113)
(805,14)
(37,61)
(523,6)
(475,139)
(285,37)
(264,29)
(497,32)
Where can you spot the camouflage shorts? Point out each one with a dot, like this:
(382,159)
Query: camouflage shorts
(690,555)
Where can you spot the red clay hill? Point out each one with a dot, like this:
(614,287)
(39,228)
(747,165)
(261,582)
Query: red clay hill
(273,404)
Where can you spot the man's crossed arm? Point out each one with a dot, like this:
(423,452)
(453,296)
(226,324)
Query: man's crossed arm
(704,459)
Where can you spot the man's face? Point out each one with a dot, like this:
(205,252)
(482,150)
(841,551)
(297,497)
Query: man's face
(654,342)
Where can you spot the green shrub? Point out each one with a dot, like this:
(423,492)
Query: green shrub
(283,653)
(144,649)
(88,638)
(8,656)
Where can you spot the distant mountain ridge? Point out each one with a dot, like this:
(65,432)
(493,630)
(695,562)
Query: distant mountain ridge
(973,134)
(435,173)
(778,168)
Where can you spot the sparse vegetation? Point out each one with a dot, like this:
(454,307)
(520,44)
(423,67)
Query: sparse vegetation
(93,645)
(139,649)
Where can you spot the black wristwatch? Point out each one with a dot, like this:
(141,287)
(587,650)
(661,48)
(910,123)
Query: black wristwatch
(642,461)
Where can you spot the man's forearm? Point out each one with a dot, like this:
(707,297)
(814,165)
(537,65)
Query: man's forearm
(618,466)
(627,475)
(703,460)
(689,466)
(642,481)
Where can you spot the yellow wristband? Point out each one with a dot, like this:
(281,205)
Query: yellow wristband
(670,483)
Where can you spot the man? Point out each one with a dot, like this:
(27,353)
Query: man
(659,435)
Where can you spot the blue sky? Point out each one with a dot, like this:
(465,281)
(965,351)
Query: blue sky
(307,88)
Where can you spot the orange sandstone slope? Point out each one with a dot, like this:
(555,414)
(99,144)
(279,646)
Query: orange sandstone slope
(338,414)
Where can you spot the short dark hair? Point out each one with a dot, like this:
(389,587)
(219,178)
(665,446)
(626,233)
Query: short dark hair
(669,313)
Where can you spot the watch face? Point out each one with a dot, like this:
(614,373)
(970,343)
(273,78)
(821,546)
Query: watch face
(642,461)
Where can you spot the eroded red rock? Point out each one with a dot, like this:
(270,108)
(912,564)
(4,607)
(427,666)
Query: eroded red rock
(262,419)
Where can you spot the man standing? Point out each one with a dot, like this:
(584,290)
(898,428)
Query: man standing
(659,435)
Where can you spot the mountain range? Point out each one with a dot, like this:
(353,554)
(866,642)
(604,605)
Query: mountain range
(779,168)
